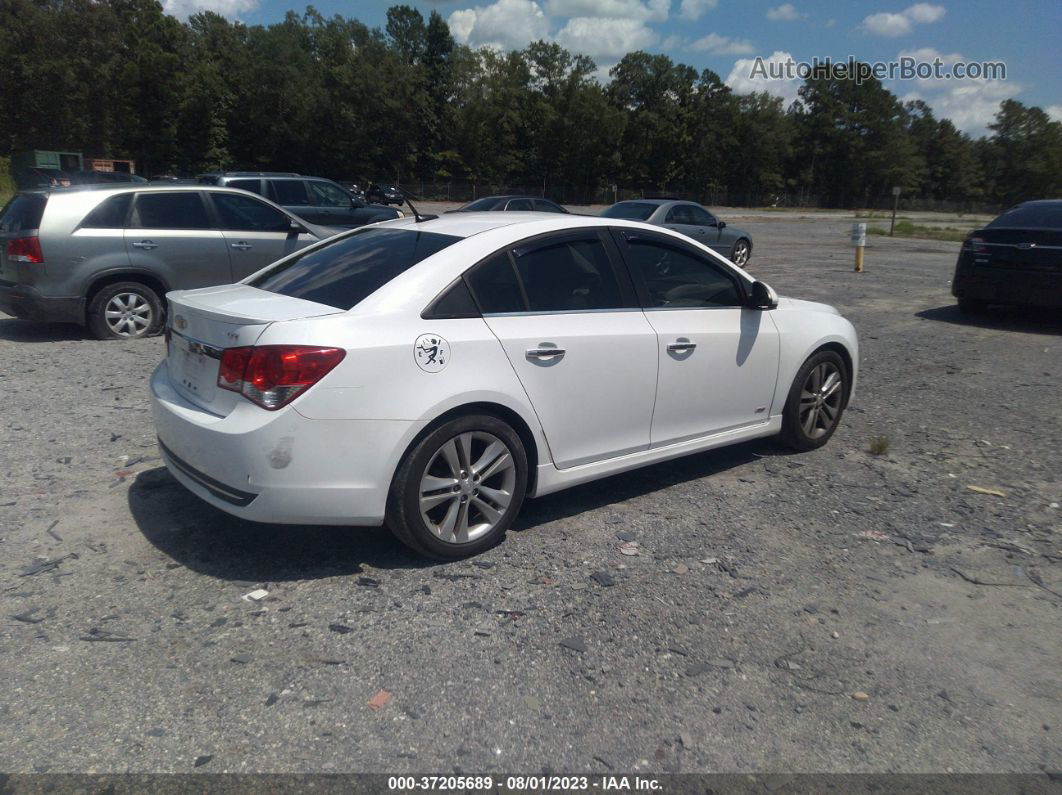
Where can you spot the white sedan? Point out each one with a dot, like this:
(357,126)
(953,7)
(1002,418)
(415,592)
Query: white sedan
(431,374)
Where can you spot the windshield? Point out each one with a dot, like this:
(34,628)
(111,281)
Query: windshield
(632,211)
(348,271)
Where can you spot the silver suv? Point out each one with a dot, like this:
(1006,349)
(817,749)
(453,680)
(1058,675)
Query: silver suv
(105,257)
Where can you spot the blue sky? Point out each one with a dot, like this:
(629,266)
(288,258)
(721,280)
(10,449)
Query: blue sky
(727,35)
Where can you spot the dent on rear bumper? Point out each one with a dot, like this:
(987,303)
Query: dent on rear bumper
(302,471)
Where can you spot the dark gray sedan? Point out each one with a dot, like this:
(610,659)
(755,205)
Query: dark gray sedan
(691,220)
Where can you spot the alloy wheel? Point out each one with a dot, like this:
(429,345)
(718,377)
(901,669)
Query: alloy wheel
(467,487)
(128,314)
(820,400)
(741,253)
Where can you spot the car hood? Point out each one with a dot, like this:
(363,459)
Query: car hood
(787,304)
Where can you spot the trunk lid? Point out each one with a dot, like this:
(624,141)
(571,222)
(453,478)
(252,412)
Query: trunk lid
(205,322)
(1020,249)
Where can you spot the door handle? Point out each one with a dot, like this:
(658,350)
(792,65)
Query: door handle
(681,347)
(243,245)
(146,244)
(544,353)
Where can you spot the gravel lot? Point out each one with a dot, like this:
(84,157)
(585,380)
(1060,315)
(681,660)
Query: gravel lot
(831,611)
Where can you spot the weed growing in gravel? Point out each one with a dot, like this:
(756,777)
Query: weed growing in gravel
(879,445)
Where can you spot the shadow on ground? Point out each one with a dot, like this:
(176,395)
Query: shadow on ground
(213,543)
(1030,320)
(15,330)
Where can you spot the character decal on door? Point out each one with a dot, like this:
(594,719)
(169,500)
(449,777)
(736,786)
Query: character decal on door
(431,352)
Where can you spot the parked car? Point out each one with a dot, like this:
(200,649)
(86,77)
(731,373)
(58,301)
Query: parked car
(384,194)
(511,203)
(432,374)
(1016,259)
(314,199)
(355,190)
(38,177)
(105,257)
(689,219)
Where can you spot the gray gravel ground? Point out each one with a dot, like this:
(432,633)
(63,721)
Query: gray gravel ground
(830,611)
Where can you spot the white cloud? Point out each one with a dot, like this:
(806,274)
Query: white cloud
(924,13)
(655,10)
(506,24)
(742,80)
(969,104)
(1055,112)
(886,23)
(230,9)
(695,9)
(786,12)
(597,37)
(721,45)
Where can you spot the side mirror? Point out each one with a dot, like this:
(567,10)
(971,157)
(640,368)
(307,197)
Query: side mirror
(721,224)
(762,296)
(296,227)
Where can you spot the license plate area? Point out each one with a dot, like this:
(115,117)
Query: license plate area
(194,368)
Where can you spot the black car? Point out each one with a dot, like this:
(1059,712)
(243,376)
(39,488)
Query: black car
(314,199)
(511,204)
(352,188)
(384,194)
(1016,259)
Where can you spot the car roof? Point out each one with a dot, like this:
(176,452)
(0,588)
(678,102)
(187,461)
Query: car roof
(467,224)
(1038,203)
(137,187)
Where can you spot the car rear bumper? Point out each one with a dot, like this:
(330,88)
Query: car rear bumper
(1008,286)
(22,301)
(279,467)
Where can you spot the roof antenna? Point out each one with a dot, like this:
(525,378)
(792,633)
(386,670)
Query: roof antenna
(419,218)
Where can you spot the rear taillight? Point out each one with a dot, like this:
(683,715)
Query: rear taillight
(274,375)
(975,244)
(25,249)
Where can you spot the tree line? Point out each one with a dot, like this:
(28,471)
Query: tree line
(333,97)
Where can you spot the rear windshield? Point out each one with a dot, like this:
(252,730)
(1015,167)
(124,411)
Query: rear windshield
(482,204)
(1037,216)
(634,211)
(348,271)
(22,213)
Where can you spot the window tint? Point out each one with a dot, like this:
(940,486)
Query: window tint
(677,278)
(700,216)
(170,211)
(679,214)
(324,195)
(634,211)
(454,303)
(570,276)
(253,185)
(347,271)
(519,204)
(1038,216)
(109,214)
(23,212)
(242,213)
(494,283)
(289,191)
(544,206)
(479,205)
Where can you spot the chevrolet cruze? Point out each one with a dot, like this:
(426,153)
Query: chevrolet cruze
(431,374)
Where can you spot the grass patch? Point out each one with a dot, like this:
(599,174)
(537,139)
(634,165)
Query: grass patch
(908,229)
(879,445)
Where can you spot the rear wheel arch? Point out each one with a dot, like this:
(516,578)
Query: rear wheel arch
(113,277)
(497,410)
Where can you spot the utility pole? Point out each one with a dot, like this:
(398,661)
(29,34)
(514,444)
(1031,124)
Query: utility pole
(895,204)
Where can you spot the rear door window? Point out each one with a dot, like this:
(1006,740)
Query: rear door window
(496,287)
(244,214)
(700,216)
(519,205)
(183,210)
(323,194)
(544,206)
(288,192)
(634,211)
(23,213)
(253,185)
(344,273)
(110,213)
(569,276)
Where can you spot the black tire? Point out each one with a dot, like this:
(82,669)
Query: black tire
(741,252)
(137,295)
(972,306)
(404,516)
(794,430)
